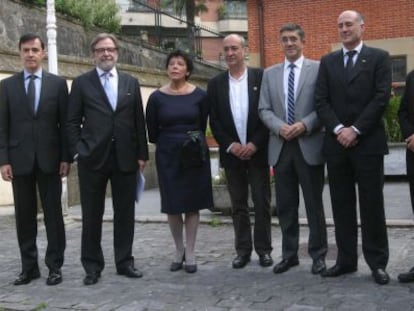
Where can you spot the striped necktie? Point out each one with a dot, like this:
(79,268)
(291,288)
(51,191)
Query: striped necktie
(291,95)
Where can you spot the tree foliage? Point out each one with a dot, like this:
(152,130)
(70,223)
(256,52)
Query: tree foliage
(100,13)
(191,9)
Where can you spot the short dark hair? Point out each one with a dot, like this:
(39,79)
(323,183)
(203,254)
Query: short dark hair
(100,37)
(185,56)
(30,37)
(293,27)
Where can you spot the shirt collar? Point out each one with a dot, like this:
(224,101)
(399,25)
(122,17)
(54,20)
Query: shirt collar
(358,48)
(298,63)
(113,72)
(28,74)
(243,76)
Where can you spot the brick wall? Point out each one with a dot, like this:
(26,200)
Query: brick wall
(383,19)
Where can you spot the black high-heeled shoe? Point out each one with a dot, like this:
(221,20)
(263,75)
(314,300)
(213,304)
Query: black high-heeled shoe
(175,266)
(190,268)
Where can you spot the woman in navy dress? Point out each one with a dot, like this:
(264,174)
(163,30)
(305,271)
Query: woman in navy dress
(177,116)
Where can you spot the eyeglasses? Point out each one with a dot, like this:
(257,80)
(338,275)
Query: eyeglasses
(103,50)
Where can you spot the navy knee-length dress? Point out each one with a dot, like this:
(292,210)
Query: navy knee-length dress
(169,118)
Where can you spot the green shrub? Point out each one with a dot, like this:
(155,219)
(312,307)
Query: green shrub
(392,126)
(99,13)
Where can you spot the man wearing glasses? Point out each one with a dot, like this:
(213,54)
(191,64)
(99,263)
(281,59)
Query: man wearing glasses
(106,133)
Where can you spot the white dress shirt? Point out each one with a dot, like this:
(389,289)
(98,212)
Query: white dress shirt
(239,103)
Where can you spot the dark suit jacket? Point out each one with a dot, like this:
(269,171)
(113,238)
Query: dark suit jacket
(93,127)
(26,137)
(406,111)
(360,101)
(222,123)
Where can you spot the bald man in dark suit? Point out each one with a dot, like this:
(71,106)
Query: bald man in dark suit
(352,92)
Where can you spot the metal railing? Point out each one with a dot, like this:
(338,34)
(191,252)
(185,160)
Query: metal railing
(163,39)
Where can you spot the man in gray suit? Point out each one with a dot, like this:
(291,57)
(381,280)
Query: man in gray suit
(287,108)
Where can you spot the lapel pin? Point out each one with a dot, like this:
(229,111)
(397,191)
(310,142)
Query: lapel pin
(363,60)
(255,88)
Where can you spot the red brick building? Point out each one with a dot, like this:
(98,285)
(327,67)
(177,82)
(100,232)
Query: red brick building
(389,24)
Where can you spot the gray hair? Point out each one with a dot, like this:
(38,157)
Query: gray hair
(100,37)
(293,27)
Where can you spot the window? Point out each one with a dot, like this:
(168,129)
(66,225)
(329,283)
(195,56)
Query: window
(399,68)
(235,9)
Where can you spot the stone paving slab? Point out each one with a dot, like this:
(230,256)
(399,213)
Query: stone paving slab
(215,287)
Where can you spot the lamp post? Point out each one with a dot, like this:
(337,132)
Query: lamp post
(51,36)
(53,68)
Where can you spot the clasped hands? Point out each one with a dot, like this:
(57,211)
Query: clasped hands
(347,137)
(289,132)
(243,152)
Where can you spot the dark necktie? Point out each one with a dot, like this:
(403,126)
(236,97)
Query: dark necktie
(291,95)
(349,64)
(31,93)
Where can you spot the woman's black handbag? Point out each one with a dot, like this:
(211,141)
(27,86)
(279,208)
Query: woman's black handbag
(194,150)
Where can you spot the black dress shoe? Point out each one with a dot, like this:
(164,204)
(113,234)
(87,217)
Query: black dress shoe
(190,268)
(130,272)
(380,276)
(265,260)
(337,270)
(318,266)
(26,277)
(406,277)
(285,265)
(91,278)
(240,261)
(175,266)
(54,278)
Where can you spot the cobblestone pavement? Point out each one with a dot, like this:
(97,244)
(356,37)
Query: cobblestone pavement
(216,286)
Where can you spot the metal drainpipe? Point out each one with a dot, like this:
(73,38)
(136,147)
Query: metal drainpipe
(261,32)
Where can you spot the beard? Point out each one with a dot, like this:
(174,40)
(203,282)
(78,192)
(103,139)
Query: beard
(106,64)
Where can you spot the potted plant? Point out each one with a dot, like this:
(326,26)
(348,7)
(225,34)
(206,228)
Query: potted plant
(221,196)
(221,12)
(394,162)
(211,142)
